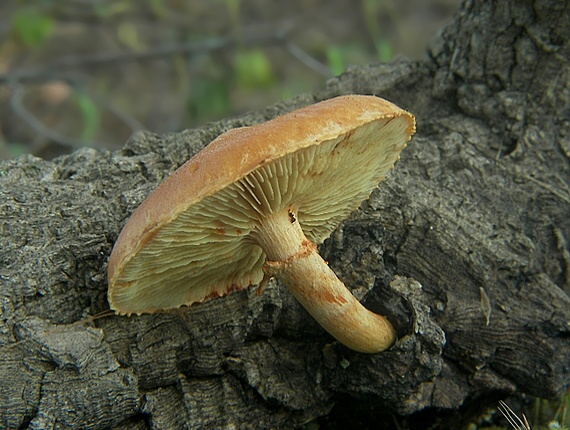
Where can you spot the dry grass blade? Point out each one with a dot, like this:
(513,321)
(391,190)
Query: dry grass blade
(512,418)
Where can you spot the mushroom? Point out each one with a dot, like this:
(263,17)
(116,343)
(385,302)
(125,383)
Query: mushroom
(253,204)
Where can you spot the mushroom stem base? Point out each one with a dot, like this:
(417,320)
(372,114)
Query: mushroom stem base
(294,259)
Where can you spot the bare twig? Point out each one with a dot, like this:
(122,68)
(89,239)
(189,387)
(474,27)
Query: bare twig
(306,59)
(127,119)
(252,38)
(70,61)
(55,70)
(17,105)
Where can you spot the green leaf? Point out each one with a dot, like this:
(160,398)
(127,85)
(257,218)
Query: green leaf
(253,69)
(106,10)
(335,60)
(384,50)
(208,98)
(12,150)
(31,27)
(233,9)
(158,8)
(128,34)
(90,114)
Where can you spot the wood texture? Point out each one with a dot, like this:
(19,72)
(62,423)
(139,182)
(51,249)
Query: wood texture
(465,247)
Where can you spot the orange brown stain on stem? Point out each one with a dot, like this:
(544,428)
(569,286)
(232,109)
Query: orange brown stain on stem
(326,295)
(323,294)
(272,268)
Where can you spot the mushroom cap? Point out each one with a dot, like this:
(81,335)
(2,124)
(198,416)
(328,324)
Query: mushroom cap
(191,239)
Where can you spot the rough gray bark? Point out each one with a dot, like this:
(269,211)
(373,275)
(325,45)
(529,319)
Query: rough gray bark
(464,247)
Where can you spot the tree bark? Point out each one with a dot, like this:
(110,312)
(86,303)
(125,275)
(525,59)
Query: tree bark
(464,247)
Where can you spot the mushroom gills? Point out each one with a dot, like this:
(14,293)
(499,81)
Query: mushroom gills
(320,185)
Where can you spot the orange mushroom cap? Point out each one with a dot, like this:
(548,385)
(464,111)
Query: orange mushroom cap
(190,240)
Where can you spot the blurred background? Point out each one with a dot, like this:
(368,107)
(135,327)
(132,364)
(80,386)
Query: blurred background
(79,73)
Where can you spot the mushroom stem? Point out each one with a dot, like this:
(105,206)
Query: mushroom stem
(294,259)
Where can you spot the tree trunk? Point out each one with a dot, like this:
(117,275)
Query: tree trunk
(464,247)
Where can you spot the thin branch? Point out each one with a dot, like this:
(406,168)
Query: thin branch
(127,119)
(17,105)
(254,36)
(53,71)
(308,60)
(258,38)
(33,74)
